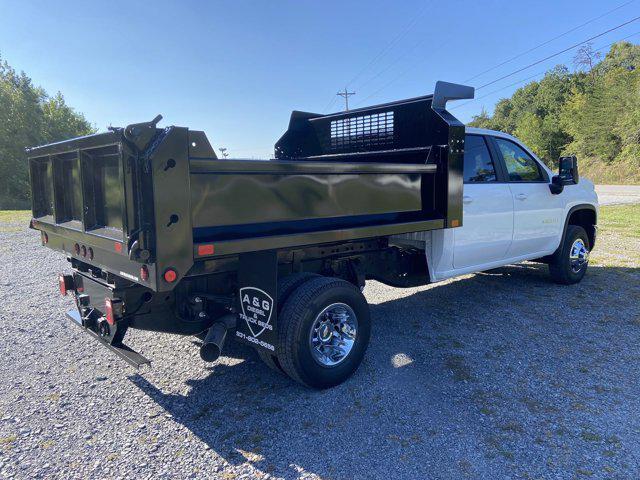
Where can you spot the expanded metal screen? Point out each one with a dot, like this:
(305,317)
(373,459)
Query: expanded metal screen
(362,132)
(402,125)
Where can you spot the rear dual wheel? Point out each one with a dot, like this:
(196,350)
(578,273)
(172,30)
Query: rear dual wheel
(324,331)
(285,287)
(324,328)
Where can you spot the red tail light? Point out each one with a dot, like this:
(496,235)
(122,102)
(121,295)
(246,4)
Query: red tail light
(65,282)
(108,310)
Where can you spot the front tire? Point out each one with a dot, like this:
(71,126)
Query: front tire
(569,264)
(324,331)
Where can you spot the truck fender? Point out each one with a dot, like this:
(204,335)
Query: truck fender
(572,210)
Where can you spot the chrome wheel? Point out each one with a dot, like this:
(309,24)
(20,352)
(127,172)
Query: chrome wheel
(578,255)
(333,334)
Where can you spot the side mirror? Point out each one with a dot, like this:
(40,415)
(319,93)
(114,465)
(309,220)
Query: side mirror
(568,170)
(557,185)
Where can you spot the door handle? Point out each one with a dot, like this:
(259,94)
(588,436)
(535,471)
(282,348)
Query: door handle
(522,196)
(467,199)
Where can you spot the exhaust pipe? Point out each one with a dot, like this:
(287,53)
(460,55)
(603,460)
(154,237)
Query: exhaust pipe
(213,342)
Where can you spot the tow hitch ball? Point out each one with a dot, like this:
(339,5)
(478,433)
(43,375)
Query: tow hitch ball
(214,340)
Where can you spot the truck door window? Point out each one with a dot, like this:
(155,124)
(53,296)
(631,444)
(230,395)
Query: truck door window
(521,167)
(478,166)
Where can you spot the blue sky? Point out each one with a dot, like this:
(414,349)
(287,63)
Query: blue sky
(236,69)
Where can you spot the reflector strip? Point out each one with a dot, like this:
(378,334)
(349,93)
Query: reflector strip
(204,250)
(108,307)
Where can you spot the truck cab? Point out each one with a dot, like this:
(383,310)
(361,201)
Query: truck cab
(510,211)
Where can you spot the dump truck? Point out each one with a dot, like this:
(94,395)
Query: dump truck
(162,235)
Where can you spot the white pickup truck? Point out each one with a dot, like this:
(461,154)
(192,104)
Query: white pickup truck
(511,214)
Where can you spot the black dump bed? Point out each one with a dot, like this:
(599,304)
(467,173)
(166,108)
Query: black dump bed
(143,195)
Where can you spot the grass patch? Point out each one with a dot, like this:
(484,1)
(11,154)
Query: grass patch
(12,216)
(620,219)
(589,436)
(14,221)
(9,439)
(604,173)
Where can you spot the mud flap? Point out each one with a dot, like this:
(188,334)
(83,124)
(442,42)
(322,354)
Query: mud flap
(257,299)
(129,355)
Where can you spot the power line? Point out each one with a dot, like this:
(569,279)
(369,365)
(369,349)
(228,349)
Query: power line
(391,44)
(334,99)
(404,72)
(386,48)
(548,41)
(535,75)
(497,91)
(558,53)
(384,87)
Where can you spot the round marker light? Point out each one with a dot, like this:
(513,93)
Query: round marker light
(83,251)
(170,275)
(76,248)
(90,253)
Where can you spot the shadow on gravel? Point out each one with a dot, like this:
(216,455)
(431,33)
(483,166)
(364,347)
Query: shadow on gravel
(498,375)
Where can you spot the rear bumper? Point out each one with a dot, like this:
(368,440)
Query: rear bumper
(129,355)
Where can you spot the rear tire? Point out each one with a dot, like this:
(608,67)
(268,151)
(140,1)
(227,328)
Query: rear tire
(569,264)
(285,287)
(324,331)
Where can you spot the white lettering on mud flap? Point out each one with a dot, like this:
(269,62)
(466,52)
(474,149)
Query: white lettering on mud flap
(257,307)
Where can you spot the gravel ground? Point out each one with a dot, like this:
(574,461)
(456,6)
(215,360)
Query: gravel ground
(495,375)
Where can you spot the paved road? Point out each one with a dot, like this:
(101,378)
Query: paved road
(499,375)
(618,194)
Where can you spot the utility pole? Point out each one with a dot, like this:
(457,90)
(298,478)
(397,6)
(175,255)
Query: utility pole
(346,96)
(223,152)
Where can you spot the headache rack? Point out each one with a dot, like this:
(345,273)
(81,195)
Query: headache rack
(161,197)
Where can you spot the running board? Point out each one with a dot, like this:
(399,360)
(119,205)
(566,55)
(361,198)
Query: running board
(129,355)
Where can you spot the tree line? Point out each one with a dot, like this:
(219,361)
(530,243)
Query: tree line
(592,112)
(29,117)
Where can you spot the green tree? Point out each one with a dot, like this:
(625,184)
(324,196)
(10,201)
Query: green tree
(28,117)
(593,112)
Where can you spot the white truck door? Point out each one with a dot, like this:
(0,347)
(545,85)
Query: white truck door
(487,221)
(537,212)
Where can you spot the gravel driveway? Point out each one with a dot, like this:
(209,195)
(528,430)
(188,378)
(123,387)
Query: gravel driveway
(495,375)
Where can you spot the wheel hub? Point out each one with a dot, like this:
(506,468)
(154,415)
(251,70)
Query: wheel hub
(333,334)
(325,332)
(579,255)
